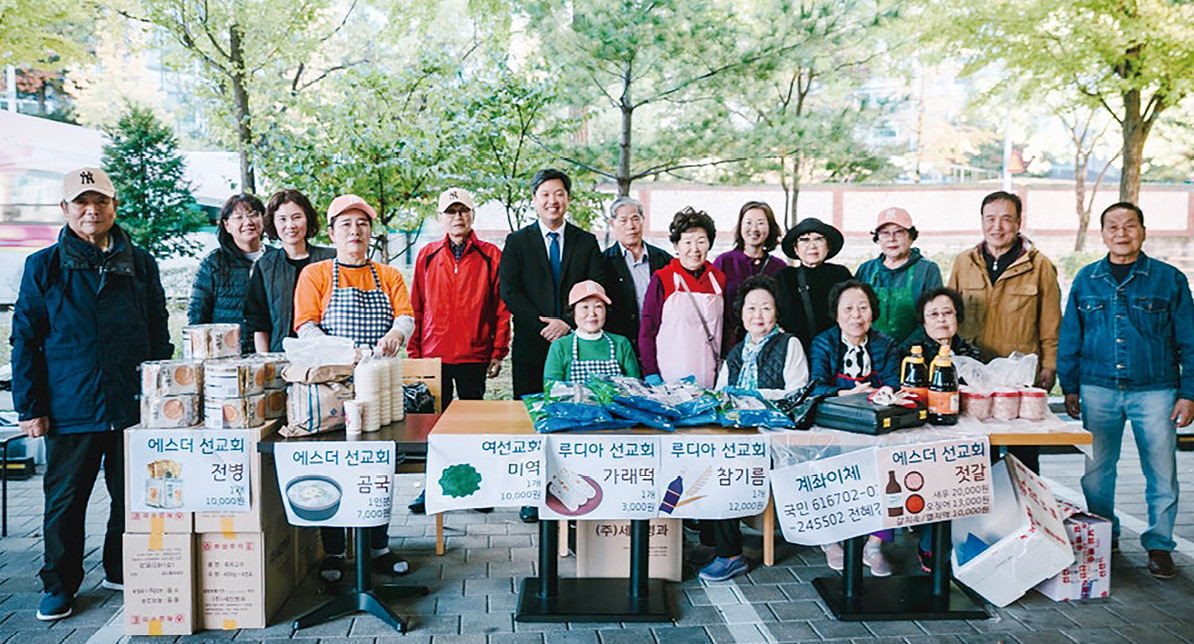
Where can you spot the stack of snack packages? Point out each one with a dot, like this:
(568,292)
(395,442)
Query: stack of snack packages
(227,570)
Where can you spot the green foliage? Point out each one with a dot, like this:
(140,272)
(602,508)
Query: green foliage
(155,202)
(45,30)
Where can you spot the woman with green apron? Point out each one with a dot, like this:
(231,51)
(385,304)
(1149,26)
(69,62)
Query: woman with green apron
(589,351)
(899,274)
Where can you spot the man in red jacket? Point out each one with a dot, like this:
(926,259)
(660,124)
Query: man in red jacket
(459,316)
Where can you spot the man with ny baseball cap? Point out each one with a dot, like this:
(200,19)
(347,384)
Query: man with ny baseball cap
(899,274)
(90,310)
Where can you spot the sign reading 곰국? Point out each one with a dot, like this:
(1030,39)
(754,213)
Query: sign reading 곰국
(188,470)
(933,482)
(483,471)
(713,477)
(600,477)
(340,484)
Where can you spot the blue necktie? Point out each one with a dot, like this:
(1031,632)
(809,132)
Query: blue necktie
(553,258)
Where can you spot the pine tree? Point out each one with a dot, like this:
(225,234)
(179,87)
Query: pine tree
(155,202)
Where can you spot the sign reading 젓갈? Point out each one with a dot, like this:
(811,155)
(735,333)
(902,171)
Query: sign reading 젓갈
(483,471)
(713,477)
(869,489)
(600,477)
(188,470)
(336,483)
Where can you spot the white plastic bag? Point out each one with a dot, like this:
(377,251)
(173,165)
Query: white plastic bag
(1016,370)
(318,351)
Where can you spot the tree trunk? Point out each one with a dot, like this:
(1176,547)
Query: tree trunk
(240,97)
(624,142)
(1134,134)
(783,183)
(1080,163)
(794,195)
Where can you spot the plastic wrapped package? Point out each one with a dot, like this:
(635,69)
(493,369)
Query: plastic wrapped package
(547,423)
(206,341)
(168,412)
(171,377)
(236,377)
(975,403)
(234,413)
(745,408)
(417,398)
(1034,403)
(1005,403)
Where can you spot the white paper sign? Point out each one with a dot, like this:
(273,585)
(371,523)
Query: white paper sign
(189,470)
(713,477)
(336,483)
(938,481)
(828,500)
(465,472)
(600,477)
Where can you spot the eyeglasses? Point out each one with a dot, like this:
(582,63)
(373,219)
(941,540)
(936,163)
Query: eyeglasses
(898,233)
(940,315)
(458,212)
(240,216)
(811,239)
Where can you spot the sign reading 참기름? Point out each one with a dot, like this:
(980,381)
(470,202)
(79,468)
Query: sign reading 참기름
(713,477)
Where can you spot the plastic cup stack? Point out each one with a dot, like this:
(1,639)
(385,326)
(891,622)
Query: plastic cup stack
(367,382)
(384,393)
(397,399)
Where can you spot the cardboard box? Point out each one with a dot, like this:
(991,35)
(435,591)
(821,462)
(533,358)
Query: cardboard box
(1090,575)
(308,551)
(429,371)
(159,584)
(150,522)
(265,502)
(603,549)
(1025,535)
(244,578)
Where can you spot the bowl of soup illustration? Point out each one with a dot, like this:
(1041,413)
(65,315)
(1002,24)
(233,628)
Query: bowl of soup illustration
(313,497)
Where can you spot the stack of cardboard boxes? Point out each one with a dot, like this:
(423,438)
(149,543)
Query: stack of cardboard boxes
(215,570)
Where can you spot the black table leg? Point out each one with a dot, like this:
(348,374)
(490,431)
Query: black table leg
(4,494)
(547,598)
(366,598)
(899,598)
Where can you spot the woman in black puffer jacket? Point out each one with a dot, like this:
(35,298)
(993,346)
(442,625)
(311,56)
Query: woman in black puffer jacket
(218,294)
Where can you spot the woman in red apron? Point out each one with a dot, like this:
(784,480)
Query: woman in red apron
(684,306)
(367,302)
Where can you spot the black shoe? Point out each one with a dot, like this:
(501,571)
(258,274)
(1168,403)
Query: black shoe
(1114,544)
(529,514)
(483,510)
(1160,564)
(419,505)
(692,525)
(390,564)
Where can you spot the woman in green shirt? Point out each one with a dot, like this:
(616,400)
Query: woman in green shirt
(589,351)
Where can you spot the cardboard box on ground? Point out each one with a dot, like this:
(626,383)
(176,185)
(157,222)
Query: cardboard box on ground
(159,584)
(603,549)
(1021,543)
(1090,575)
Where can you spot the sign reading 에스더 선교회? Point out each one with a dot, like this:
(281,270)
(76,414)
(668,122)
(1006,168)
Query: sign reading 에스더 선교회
(346,484)
(188,470)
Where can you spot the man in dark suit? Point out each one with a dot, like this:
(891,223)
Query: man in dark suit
(629,264)
(540,263)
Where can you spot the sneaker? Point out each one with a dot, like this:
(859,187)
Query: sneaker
(529,514)
(419,505)
(108,584)
(388,563)
(332,568)
(54,606)
(724,568)
(872,557)
(1160,564)
(835,556)
(701,555)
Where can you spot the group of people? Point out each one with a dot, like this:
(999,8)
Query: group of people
(91,308)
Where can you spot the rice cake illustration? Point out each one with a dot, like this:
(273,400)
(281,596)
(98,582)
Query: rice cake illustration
(171,377)
(170,412)
(571,489)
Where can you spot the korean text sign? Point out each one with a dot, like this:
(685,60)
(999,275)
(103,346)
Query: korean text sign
(189,470)
(483,471)
(342,484)
(713,477)
(600,477)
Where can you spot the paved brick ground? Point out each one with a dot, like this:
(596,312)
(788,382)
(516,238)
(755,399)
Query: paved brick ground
(473,590)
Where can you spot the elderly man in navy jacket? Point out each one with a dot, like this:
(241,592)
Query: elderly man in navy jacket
(91,308)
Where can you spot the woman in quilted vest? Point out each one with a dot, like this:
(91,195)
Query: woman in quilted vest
(772,363)
(218,294)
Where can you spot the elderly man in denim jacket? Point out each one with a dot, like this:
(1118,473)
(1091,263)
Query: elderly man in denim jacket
(1122,357)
